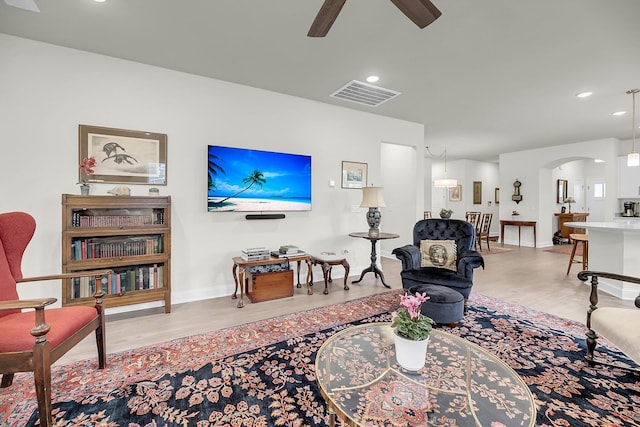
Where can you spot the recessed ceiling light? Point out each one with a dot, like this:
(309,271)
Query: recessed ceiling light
(598,161)
(100,1)
(584,94)
(619,113)
(373,79)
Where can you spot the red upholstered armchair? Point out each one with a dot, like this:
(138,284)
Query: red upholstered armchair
(30,341)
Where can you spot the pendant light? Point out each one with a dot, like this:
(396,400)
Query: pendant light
(633,158)
(444,183)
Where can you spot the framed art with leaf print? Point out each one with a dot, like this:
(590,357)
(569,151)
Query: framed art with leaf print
(123,156)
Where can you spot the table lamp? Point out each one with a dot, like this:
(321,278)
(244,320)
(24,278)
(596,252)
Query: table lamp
(569,200)
(372,199)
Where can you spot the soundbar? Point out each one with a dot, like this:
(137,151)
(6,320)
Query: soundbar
(265,216)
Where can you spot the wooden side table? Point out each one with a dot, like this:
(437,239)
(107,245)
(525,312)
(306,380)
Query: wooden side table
(373,267)
(240,265)
(327,261)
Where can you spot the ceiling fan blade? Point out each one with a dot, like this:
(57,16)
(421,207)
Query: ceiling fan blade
(23,4)
(325,18)
(421,12)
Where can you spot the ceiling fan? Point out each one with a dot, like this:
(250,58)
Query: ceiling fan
(421,12)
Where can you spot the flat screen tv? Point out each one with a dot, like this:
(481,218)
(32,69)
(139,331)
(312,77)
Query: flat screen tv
(244,180)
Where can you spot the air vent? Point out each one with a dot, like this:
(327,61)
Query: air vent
(364,93)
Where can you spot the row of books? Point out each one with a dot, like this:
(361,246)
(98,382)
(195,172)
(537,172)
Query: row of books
(107,247)
(78,219)
(132,279)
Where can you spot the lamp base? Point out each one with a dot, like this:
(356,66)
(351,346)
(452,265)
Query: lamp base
(373,219)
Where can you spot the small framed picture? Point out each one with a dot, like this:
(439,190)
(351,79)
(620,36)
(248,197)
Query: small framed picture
(123,156)
(497,196)
(455,193)
(354,174)
(477,192)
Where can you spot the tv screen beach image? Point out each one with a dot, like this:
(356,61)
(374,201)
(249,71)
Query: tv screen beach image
(245,180)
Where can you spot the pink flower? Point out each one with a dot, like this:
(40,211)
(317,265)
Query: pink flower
(88,164)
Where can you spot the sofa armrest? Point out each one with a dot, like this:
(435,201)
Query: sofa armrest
(409,255)
(468,261)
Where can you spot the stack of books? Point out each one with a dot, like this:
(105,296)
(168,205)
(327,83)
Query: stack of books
(255,254)
(287,250)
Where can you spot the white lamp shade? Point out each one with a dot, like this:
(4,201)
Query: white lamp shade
(445,183)
(372,197)
(633,159)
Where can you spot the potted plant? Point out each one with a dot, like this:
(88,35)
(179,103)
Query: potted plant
(445,213)
(412,330)
(87,165)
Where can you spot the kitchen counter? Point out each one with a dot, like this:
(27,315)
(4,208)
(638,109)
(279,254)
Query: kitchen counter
(614,247)
(621,224)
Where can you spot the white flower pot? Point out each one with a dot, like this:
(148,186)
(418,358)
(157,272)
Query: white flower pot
(411,354)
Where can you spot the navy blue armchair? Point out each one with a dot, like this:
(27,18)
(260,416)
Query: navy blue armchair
(466,259)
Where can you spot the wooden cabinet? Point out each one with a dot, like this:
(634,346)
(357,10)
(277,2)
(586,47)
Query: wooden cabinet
(570,217)
(128,234)
(628,180)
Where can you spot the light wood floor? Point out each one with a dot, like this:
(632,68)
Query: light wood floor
(531,277)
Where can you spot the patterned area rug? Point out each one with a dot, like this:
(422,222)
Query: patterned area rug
(495,249)
(262,373)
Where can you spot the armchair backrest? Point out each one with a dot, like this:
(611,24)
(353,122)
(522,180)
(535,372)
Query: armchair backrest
(16,231)
(462,232)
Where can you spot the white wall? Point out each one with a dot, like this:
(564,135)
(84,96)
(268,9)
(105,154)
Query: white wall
(47,91)
(534,169)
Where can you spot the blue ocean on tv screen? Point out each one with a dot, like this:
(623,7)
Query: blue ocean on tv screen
(244,180)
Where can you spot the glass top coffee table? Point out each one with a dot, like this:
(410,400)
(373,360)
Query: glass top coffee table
(460,385)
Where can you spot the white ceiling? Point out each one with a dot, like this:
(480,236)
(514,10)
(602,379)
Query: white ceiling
(489,76)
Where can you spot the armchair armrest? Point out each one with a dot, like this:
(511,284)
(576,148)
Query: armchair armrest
(409,255)
(26,303)
(468,261)
(64,276)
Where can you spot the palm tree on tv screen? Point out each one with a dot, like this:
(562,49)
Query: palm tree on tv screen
(256,177)
(214,168)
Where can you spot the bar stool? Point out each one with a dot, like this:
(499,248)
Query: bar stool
(579,238)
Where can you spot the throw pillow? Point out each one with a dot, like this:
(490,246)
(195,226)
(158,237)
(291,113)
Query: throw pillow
(439,254)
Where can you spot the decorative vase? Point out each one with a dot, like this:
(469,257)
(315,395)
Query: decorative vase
(84,189)
(410,354)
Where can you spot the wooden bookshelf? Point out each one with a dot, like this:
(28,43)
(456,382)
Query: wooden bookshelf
(130,235)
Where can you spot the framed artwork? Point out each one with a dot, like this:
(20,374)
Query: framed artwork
(477,192)
(561,190)
(123,156)
(354,174)
(496,196)
(455,193)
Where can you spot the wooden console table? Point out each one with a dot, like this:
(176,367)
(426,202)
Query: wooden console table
(570,217)
(518,224)
(240,265)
